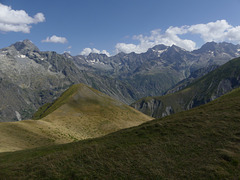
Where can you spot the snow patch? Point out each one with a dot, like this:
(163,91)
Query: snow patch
(238,49)
(21,56)
(95,61)
(161,51)
(18,115)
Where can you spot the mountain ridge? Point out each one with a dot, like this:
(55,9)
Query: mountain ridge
(146,71)
(197,92)
(80,113)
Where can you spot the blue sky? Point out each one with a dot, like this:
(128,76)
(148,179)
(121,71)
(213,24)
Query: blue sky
(111,26)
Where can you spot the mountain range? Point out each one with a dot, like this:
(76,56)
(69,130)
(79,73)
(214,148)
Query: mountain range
(30,78)
(161,67)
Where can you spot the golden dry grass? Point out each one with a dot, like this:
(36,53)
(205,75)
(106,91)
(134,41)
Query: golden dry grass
(87,113)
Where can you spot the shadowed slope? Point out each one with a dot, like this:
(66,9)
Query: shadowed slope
(81,112)
(202,143)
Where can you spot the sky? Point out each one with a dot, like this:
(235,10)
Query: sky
(113,26)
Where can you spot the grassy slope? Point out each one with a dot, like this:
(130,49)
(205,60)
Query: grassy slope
(50,107)
(200,91)
(202,143)
(81,112)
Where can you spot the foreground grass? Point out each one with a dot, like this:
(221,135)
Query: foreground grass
(203,143)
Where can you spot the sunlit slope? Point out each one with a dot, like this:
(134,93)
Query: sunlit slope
(81,112)
(202,143)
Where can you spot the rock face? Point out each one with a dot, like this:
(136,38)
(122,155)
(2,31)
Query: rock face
(200,91)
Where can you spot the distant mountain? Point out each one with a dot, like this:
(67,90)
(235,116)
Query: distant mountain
(81,112)
(198,92)
(31,78)
(202,143)
(160,68)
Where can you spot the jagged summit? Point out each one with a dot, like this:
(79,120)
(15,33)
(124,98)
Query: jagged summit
(214,47)
(209,46)
(159,47)
(96,55)
(25,46)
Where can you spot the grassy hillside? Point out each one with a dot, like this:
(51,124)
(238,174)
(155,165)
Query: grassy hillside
(202,143)
(80,113)
(201,91)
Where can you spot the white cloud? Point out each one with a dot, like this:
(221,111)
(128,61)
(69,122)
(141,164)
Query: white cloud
(17,20)
(87,51)
(105,52)
(217,31)
(55,39)
(69,52)
(213,31)
(169,37)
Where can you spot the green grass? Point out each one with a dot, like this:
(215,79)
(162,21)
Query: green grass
(202,143)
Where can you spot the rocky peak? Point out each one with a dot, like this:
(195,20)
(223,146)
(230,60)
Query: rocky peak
(67,55)
(25,46)
(96,56)
(214,47)
(160,47)
(209,46)
(176,48)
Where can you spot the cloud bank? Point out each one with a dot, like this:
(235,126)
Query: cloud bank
(87,51)
(17,20)
(217,31)
(55,39)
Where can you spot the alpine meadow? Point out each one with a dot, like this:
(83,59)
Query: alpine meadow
(105,89)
